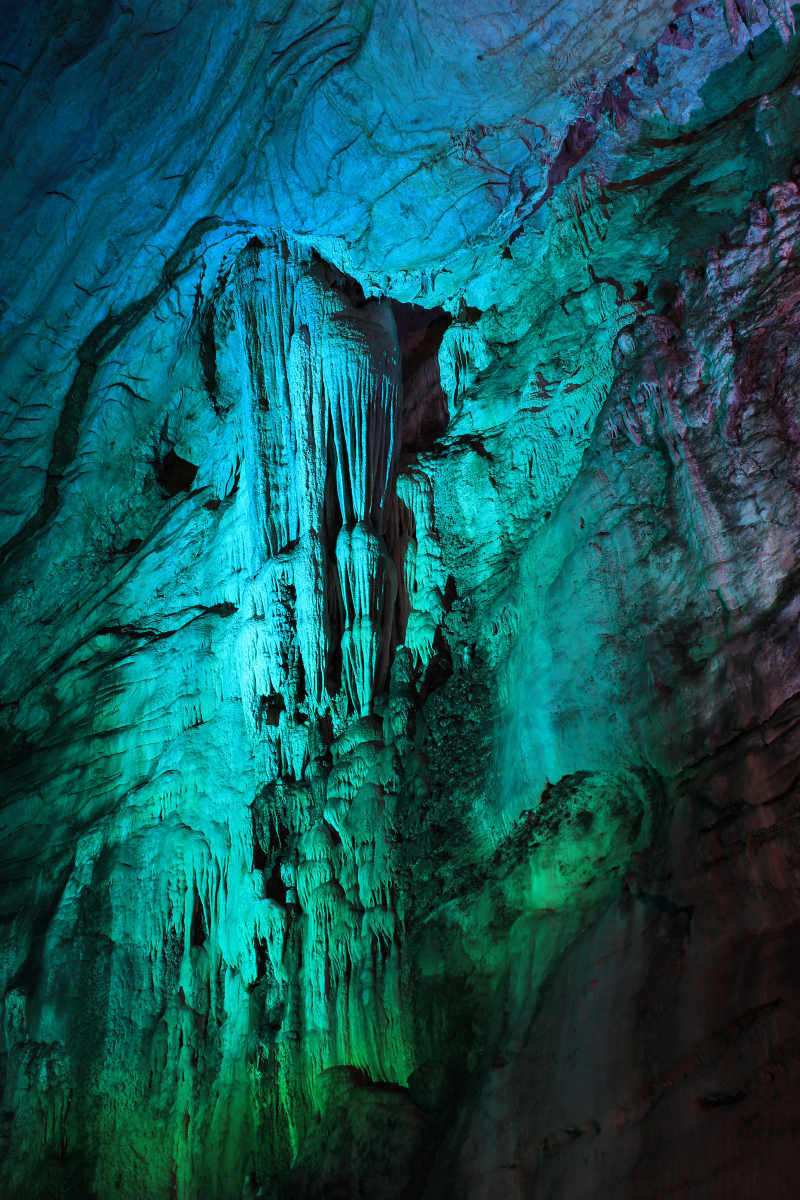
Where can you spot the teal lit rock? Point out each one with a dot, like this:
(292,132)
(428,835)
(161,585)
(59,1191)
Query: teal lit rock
(400,689)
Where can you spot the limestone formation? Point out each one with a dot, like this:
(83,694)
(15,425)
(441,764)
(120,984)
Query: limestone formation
(400,686)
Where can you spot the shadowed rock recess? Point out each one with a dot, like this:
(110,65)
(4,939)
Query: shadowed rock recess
(400,600)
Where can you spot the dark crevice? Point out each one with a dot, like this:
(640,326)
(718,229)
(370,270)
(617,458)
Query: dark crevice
(270,708)
(29,974)
(275,888)
(175,474)
(260,948)
(332,524)
(425,415)
(300,693)
(208,353)
(403,531)
(721,1099)
(440,667)
(198,932)
(259,857)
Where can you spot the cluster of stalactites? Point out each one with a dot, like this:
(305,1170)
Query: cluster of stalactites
(321,431)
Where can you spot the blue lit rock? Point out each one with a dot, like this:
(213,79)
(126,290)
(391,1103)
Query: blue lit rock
(398,704)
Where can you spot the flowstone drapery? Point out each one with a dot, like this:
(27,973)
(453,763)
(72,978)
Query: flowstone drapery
(264,942)
(321,419)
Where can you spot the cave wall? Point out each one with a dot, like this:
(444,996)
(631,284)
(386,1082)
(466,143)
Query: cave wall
(399,701)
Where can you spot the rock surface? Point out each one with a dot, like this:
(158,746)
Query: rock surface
(400,689)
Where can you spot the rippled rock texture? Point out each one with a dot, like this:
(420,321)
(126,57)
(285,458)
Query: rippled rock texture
(400,689)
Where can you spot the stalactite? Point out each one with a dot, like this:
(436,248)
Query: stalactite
(317,367)
(420,557)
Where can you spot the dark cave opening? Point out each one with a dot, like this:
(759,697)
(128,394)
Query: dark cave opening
(425,414)
(175,474)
